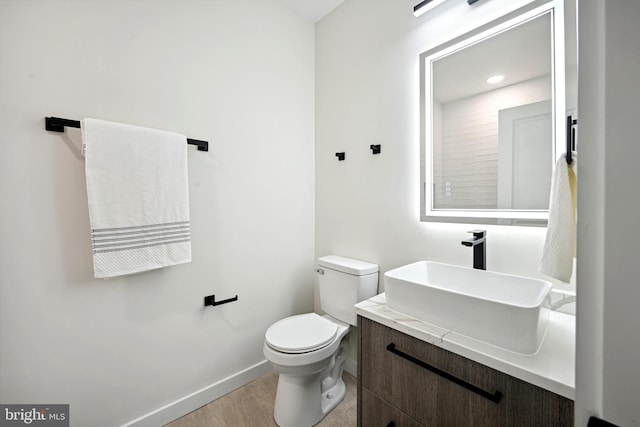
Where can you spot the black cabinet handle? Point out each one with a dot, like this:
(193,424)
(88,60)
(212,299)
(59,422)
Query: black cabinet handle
(494,397)
(391,424)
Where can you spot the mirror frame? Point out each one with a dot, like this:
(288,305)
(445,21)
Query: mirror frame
(504,23)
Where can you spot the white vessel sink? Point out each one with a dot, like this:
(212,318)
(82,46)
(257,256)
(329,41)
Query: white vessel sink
(508,311)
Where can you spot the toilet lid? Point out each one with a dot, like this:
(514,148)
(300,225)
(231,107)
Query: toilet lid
(301,334)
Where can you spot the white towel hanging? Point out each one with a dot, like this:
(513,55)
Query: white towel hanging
(138,195)
(560,242)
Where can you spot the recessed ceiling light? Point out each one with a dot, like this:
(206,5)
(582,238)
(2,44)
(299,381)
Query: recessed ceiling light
(495,79)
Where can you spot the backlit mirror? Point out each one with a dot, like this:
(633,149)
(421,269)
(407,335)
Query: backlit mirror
(493,108)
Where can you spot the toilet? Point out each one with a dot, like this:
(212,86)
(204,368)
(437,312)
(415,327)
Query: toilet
(308,350)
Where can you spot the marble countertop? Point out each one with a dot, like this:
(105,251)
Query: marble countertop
(551,368)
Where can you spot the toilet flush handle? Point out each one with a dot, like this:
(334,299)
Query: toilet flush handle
(320,271)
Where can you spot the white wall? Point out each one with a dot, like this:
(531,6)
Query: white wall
(470,158)
(367,92)
(238,74)
(608,339)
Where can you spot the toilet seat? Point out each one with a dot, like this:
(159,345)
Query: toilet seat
(303,333)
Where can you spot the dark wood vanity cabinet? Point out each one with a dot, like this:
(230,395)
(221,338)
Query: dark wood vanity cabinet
(397,386)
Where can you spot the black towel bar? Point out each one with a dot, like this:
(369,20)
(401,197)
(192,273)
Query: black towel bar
(56,124)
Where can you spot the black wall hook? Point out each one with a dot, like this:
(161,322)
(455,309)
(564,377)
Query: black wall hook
(375,149)
(341,155)
(211,300)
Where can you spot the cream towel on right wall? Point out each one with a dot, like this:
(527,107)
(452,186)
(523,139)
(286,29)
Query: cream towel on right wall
(560,243)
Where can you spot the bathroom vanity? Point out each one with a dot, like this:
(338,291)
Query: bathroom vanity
(411,373)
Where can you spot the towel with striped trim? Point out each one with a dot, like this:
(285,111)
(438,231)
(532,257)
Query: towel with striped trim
(138,196)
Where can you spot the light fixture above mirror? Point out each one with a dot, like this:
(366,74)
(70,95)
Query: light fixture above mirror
(426,5)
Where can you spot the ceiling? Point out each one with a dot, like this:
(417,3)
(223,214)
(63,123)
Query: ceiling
(520,53)
(313,10)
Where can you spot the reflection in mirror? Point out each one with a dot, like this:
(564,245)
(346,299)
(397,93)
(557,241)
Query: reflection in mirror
(490,123)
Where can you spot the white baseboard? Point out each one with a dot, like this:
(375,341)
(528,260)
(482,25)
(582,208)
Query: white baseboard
(351,366)
(199,398)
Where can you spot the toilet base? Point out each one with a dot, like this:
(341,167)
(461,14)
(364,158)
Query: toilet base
(304,400)
(333,397)
(303,408)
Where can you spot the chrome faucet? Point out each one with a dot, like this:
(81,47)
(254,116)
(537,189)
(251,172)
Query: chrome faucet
(479,248)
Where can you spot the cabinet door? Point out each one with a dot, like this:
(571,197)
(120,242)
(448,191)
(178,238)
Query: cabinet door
(377,413)
(399,377)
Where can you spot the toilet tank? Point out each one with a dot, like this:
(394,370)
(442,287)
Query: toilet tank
(344,282)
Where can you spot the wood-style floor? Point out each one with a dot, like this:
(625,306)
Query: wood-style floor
(252,406)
